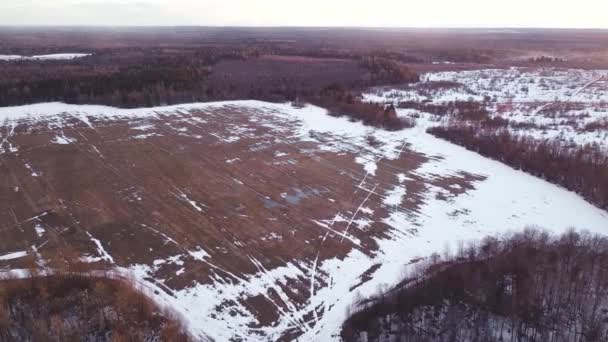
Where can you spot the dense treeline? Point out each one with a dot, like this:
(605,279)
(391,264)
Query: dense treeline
(280,78)
(124,78)
(82,308)
(465,55)
(388,71)
(583,169)
(138,77)
(526,287)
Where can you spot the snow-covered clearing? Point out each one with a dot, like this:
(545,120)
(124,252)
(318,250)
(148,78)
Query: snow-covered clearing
(556,104)
(51,57)
(504,200)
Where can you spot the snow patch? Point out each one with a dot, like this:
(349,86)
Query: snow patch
(12,256)
(199,254)
(63,140)
(102,252)
(39,230)
(51,57)
(395,196)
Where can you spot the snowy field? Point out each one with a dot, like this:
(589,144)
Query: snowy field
(546,103)
(51,57)
(500,200)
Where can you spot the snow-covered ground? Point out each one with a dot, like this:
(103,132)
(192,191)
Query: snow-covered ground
(549,103)
(15,255)
(51,57)
(504,200)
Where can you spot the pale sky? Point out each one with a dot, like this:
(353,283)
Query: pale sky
(377,13)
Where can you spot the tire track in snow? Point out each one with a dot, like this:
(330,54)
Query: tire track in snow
(104,254)
(313,274)
(580,90)
(358,210)
(8,136)
(298,319)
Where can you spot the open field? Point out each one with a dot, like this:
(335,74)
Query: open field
(263,217)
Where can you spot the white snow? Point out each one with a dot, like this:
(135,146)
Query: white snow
(10,57)
(167,238)
(402,177)
(369,165)
(146,136)
(39,230)
(102,252)
(199,254)
(12,256)
(56,56)
(63,140)
(395,196)
(197,206)
(143,127)
(29,167)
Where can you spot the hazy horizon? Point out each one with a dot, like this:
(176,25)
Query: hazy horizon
(145,26)
(583,14)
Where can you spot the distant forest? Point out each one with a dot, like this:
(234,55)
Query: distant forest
(146,67)
(148,77)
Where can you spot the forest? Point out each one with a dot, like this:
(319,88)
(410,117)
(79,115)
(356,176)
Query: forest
(527,286)
(148,77)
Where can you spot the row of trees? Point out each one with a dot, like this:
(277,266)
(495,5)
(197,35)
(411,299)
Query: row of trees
(582,169)
(529,286)
(546,60)
(463,110)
